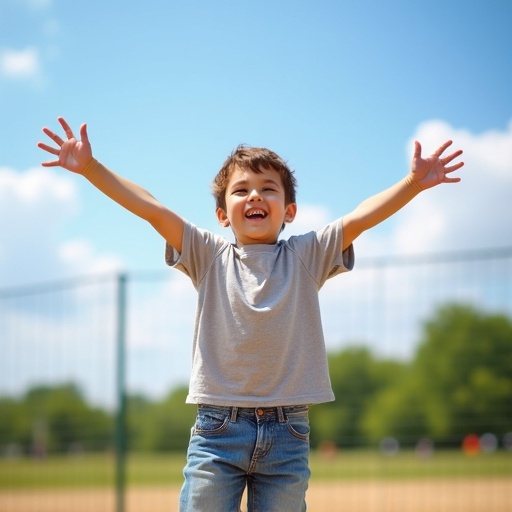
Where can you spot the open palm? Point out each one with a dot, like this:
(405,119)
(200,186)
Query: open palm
(72,154)
(431,171)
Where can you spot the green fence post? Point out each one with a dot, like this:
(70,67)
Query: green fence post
(121,393)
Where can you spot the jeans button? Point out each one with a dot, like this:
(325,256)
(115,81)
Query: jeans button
(260,412)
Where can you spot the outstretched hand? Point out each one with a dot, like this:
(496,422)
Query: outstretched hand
(72,154)
(433,170)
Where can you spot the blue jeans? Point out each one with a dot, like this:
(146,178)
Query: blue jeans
(264,449)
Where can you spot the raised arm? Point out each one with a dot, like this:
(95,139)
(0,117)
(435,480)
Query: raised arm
(425,173)
(76,156)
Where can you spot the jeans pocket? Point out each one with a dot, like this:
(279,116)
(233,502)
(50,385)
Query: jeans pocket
(210,422)
(298,425)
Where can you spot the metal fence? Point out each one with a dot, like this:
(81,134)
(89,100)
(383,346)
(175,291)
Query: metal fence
(114,335)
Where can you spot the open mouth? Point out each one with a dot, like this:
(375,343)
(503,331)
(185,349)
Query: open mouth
(256,214)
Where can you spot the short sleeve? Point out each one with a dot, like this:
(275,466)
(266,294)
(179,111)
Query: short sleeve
(199,248)
(321,252)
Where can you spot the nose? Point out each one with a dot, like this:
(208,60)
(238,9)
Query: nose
(254,195)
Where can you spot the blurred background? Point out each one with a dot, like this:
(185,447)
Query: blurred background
(94,329)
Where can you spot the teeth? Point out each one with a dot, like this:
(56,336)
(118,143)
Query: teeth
(255,212)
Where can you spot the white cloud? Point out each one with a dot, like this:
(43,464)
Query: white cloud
(20,64)
(80,254)
(34,207)
(474,213)
(308,218)
(379,306)
(60,336)
(36,329)
(385,304)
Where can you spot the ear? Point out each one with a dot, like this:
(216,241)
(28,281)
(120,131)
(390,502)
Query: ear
(222,217)
(290,212)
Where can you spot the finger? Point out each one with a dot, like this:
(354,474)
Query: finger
(417,149)
(453,167)
(48,132)
(53,136)
(440,150)
(51,150)
(83,134)
(55,163)
(449,158)
(65,126)
(451,180)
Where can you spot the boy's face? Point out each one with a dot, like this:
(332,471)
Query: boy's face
(255,206)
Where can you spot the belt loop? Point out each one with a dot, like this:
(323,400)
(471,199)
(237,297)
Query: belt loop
(280,414)
(234,413)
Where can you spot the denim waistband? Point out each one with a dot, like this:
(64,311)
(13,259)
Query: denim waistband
(278,412)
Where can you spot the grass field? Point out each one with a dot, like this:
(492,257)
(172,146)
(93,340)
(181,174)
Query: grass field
(154,470)
(359,481)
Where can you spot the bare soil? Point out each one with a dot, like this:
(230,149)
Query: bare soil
(453,495)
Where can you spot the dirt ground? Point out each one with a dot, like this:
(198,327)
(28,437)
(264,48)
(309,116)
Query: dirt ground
(475,495)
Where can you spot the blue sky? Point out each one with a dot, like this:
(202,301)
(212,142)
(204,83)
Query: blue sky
(339,89)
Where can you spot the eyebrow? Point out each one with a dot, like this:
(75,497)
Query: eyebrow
(245,182)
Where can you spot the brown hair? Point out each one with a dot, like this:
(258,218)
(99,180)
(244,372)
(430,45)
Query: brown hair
(254,159)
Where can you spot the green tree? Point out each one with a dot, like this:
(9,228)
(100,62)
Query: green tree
(174,419)
(396,411)
(460,381)
(464,367)
(15,426)
(139,418)
(356,377)
(160,426)
(61,419)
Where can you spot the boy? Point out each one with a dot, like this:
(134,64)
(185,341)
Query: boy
(259,357)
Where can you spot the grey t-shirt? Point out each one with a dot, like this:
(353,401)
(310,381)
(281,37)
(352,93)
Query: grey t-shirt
(258,337)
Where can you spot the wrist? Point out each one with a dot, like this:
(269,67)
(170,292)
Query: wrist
(411,182)
(88,168)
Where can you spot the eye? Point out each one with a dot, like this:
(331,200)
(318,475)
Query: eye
(269,189)
(239,191)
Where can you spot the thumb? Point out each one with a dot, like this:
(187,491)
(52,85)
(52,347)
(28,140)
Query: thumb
(417,149)
(83,134)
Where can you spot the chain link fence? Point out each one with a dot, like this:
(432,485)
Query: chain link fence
(73,351)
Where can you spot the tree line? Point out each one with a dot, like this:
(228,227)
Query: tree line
(459,381)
